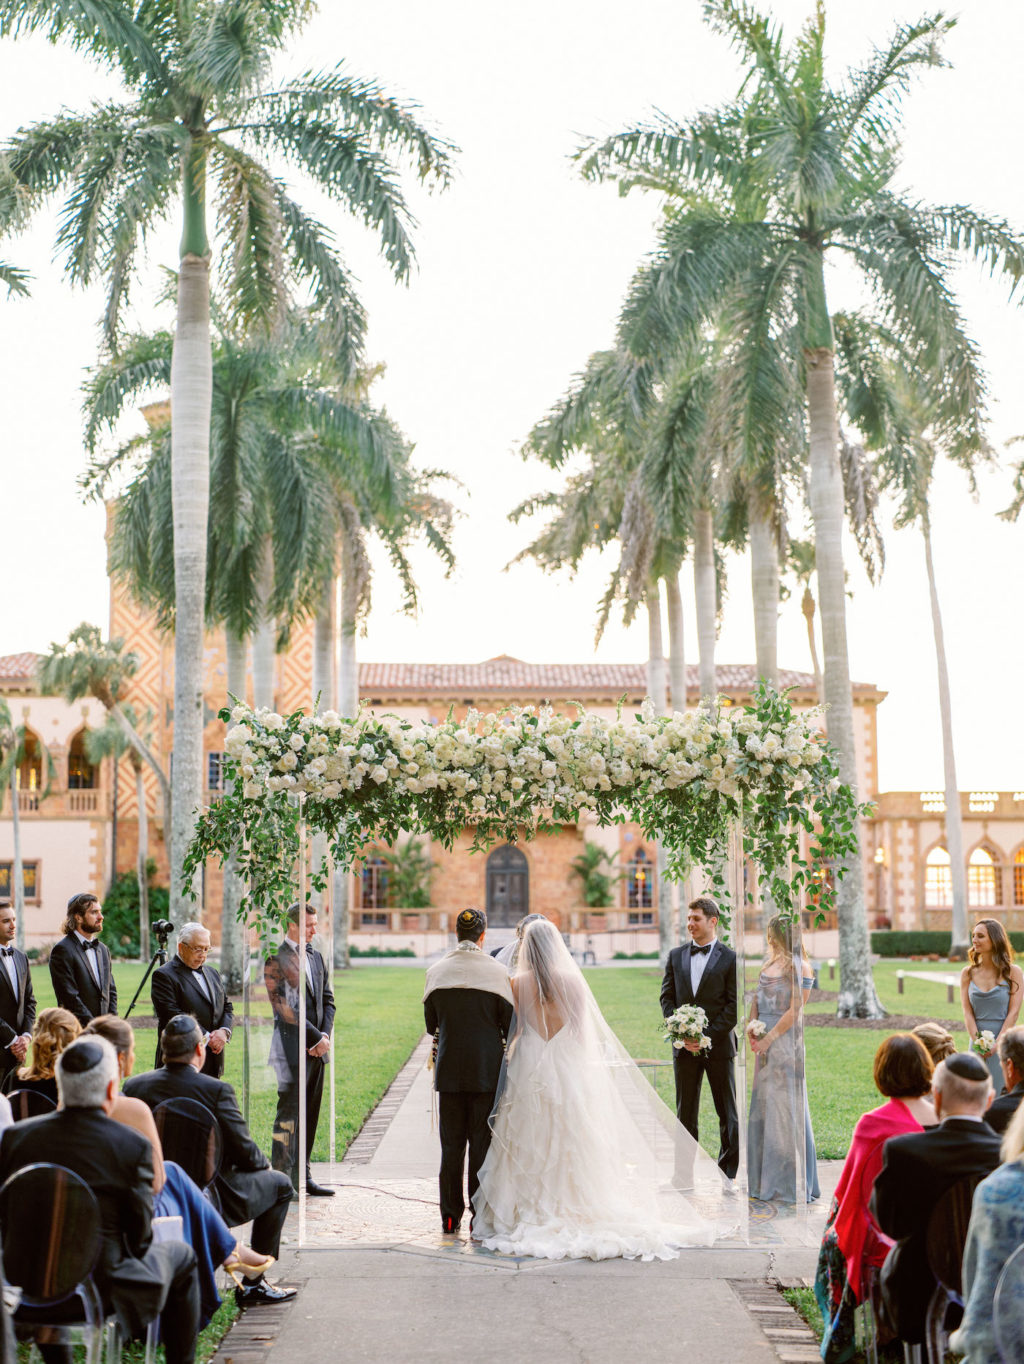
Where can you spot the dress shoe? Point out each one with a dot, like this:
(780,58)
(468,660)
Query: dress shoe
(260,1292)
(315,1190)
(449,1226)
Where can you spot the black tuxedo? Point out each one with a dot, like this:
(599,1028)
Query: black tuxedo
(175,990)
(716,995)
(918,1168)
(281,975)
(246,1187)
(74,983)
(139,1279)
(1001,1110)
(17,1010)
(471,1027)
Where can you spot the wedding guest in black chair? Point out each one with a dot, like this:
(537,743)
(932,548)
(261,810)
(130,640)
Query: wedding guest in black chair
(80,964)
(188,985)
(917,1170)
(1011,1059)
(247,1188)
(54,1030)
(17,999)
(138,1279)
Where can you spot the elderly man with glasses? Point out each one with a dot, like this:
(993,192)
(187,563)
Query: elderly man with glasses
(187,985)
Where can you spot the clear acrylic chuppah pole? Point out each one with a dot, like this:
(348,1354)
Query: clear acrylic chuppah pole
(737,902)
(799,1127)
(300,1041)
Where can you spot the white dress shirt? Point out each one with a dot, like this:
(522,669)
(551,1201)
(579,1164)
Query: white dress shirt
(92,956)
(698,961)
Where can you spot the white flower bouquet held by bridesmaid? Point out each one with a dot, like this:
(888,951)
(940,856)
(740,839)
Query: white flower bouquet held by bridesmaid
(985,1043)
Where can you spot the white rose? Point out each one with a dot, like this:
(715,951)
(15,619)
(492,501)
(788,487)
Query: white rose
(287,761)
(239,712)
(379,774)
(252,790)
(296,742)
(272,721)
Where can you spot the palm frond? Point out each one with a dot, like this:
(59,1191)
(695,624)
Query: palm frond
(866,102)
(227,53)
(142,365)
(103,28)
(991,242)
(708,153)
(253,277)
(860,494)
(15,278)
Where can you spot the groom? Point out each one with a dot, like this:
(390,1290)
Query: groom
(467,1005)
(703,971)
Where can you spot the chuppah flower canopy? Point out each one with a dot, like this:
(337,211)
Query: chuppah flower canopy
(686,779)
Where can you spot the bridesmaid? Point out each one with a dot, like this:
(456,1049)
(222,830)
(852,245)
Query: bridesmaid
(991,988)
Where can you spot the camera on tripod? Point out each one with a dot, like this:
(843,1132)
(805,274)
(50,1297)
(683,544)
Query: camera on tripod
(162,930)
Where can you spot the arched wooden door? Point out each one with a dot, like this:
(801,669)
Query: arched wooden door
(508,887)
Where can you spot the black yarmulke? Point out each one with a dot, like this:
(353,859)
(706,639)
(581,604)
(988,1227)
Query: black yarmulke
(80,1057)
(967,1066)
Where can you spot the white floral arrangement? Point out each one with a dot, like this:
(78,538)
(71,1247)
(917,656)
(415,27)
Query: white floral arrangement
(687,1024)
(985,1043)
(755,1028)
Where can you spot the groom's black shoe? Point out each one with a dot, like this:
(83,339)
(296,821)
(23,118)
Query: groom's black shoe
(449,1226)
(318,1190)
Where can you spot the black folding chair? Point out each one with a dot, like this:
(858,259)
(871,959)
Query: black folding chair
(1008,1309)
(29,1103)
(190,1136)
(50,1225)
(946,1239)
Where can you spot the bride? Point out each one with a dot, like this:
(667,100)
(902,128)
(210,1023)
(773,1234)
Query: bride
(583,1152)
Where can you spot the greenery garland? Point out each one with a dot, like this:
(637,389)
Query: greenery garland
(683,778)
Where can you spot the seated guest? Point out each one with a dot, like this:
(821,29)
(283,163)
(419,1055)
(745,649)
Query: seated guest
(996,1230)
(938,1042)
(1011,1059)
(52,1031)
(175,1193)
(136,1278)
(917,1170)
(248,1189)
(852,1244)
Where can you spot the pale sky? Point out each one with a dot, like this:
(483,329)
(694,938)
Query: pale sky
(522,268)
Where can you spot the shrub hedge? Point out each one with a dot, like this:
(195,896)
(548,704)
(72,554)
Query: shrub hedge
(922,942)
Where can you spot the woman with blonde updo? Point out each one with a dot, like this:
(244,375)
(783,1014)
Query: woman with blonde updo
(54,1030)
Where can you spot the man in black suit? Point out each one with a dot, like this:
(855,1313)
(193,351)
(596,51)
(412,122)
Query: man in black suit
(187,985)
(467,1006)
(246,1186)
(139,1279)
(703,971)
(918,1168)
(80,964)
(17,1000)
(281,977)
(1011,1058)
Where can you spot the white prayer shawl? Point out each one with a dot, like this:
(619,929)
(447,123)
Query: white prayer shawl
(468,968)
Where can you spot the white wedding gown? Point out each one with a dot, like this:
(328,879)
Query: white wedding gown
(582,1150)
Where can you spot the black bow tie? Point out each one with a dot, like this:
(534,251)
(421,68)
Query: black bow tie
(90,946)
(702,950)
(7,951)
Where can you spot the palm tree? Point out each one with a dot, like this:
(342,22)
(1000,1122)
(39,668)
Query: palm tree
(800,562)
(200,111)
(12,213)
(767,188)
(111,742)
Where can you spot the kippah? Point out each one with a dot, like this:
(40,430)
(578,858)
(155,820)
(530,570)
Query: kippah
(183,1023)
(967,1066)
(472,918)
(80,1057)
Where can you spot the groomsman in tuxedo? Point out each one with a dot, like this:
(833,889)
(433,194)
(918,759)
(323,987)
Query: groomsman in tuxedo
(80,964)
(917,1169)
(187,985)
(17,1000)
(296,956)
(703,972)
(467,1006)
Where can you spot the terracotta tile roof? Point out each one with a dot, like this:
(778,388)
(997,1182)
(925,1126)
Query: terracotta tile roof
(18,667)
(507,676)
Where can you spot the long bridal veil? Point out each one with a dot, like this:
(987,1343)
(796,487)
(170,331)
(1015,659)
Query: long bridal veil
(585,1158)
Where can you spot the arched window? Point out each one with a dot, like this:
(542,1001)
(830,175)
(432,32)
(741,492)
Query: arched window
(82,776)
(639,881)
(1018,877)
(981,879)
(938,879)
(374,877)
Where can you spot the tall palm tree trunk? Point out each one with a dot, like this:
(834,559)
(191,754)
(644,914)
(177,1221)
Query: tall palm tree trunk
(705,591)
(954,819)
(657,690)
(857,996)
(191,391)
(348,705)
(18,888)
(676,642)
(142,857)
(807,607)
(232,932)
(764,577)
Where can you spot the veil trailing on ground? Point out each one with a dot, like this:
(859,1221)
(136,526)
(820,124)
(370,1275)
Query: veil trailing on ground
(563,1056)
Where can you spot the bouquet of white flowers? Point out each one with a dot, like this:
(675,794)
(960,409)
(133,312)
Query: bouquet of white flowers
(687,1024)
(756,1028)
(984,1044)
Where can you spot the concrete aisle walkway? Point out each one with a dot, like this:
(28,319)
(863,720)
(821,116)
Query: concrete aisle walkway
(379,1282)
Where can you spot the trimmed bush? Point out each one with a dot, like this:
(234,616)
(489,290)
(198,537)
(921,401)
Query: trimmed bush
(121,913)
(921,942)
(381,952)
